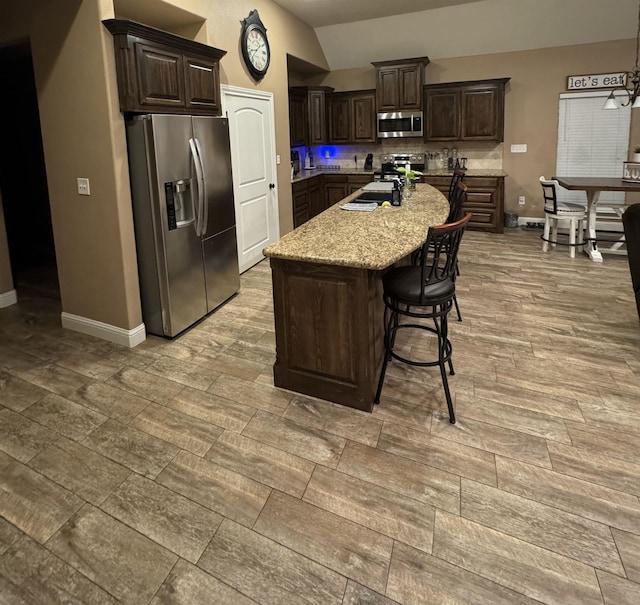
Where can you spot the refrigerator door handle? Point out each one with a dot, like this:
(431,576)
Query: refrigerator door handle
(200,178)
(204,206)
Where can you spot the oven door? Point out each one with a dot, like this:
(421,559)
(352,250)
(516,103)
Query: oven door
(400,124)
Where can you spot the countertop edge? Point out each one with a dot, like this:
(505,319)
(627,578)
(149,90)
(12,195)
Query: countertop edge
(304,175)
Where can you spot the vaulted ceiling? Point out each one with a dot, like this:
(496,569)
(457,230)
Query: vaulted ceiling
(355,32)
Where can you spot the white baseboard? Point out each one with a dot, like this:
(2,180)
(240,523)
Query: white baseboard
(120,336)
(8,298)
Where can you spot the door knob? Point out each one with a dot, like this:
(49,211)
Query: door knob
(271,185)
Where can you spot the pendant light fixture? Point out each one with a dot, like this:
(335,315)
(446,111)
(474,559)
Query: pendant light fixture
(633,78)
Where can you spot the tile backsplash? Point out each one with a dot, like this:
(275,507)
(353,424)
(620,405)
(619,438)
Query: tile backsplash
(479,155)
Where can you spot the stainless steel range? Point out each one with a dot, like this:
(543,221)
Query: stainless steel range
(392,161)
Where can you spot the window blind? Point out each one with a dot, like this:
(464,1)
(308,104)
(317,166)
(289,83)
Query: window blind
(591,142)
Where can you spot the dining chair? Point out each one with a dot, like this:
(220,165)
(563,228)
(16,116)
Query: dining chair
(457,177)
(631,223)
(424,291)
(554,212)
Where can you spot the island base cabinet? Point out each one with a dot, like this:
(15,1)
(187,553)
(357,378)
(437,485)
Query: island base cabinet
(329,331)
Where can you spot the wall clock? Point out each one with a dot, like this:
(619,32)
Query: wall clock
(255,46)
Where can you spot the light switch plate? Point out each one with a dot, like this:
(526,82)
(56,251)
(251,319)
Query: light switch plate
(83,187)
(519,148)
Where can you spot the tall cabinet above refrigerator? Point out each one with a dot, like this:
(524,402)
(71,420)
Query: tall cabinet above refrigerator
(182,192)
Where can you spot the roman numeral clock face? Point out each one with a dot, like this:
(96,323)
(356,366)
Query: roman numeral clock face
(255,46)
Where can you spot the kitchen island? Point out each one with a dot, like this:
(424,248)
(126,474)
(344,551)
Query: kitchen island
(327,293)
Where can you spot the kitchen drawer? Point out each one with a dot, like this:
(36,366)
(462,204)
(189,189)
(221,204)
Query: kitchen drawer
(477,182)
(437,181)
(483,218)
(334,178)
(480,198)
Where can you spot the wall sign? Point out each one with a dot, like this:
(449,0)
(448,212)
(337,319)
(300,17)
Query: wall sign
(597,81)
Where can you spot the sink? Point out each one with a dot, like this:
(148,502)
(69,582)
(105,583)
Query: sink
(375,196)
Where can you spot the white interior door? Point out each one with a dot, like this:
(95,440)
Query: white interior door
(252,137)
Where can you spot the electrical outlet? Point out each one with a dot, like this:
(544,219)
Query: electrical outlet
(521,200)
(278,159)
(83,187)
(518,148)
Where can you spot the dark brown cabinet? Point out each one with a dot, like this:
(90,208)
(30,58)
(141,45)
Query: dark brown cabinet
(314,195)
(335,188)
(356,181)
(300,194)
(317,200)
(308,115)
(465,111)
(352,117)
(485,199)
(399,84)
(298,120)
(162,72)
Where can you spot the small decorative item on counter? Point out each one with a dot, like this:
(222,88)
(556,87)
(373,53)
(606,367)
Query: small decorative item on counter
(410,177)
(631,172)
(635,156)
(432,161)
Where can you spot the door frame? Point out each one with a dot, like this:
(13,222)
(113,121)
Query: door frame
(235,91)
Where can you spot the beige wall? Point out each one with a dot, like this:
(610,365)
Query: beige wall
(531,105)
(83,130)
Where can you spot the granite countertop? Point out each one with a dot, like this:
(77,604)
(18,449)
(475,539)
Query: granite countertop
(364,240)
(487,172)
(307,174)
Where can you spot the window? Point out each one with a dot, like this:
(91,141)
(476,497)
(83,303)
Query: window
(591,142)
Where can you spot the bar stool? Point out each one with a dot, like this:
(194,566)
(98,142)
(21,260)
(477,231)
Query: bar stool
(456,177)
(555,211)
(424,291)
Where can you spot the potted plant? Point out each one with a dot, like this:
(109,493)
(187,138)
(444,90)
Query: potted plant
(635,156)
(411,175)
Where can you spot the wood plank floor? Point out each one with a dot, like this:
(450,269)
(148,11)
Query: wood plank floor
(176,473)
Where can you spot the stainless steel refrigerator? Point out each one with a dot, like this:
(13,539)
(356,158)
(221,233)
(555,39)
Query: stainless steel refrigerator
(185,228)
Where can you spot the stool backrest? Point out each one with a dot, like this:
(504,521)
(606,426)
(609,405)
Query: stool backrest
(549,194)
(457,177)
(456,202)
(440,252)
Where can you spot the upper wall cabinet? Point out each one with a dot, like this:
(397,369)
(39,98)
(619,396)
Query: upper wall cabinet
(161,72)
(307,115)
(399,84)
(465,111)
(352,117)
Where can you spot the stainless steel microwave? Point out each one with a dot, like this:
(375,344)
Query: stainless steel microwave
(400,124)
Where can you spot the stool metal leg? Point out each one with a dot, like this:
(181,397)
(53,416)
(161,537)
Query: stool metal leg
(442,355)
(455,302)
(389,339)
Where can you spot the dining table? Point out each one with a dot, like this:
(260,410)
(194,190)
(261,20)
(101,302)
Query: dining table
(593,186)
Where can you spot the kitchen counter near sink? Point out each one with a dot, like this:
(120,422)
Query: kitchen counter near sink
(327,294)
(364,240)
(307,174)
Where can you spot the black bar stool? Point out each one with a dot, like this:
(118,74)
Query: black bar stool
(424,291)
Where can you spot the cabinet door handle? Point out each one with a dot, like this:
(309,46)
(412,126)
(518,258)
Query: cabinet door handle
(272,185)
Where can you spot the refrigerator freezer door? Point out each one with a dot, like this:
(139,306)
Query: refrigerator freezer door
(178,249)
(220,248)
